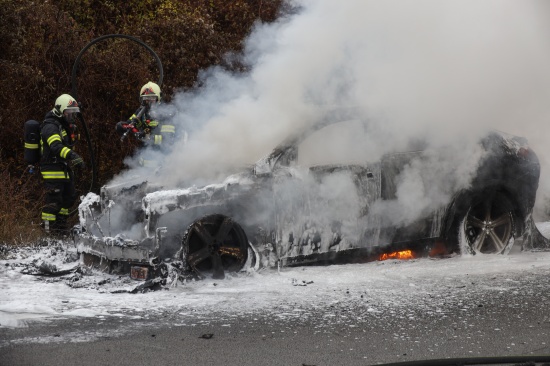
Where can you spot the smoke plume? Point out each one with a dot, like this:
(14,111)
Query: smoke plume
(444,72)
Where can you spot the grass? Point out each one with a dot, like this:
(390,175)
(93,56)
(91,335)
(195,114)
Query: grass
(21,200)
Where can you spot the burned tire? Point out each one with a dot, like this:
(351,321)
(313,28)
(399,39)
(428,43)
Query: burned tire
(489,226)
(215,244)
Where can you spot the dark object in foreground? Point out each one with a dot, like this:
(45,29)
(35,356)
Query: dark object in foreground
(480,361)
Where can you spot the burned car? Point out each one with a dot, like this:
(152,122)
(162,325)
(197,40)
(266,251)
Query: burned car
(280,213)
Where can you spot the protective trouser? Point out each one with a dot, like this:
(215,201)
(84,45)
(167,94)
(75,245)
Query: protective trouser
(60,197)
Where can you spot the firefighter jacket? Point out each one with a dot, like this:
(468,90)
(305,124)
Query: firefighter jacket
(57,138)
(150,130)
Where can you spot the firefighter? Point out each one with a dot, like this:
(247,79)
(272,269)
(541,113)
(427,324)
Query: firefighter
(143,124)
(58,136)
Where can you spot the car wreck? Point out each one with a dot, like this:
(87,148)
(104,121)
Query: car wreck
(279,213)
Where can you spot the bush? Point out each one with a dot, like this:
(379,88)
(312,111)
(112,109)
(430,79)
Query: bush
(39,44)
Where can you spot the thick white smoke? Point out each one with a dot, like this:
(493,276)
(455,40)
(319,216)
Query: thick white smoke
(444,71)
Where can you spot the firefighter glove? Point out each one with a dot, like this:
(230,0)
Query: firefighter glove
(77,161)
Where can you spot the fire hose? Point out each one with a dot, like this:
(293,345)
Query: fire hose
(74,92)
(133,123)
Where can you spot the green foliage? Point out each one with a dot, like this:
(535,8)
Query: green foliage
(39,42)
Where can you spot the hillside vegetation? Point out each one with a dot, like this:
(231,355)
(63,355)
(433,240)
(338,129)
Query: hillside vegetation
(40,41)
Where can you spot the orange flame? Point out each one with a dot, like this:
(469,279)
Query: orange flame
(403,254)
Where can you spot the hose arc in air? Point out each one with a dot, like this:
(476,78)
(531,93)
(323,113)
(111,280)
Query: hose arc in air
(74,91)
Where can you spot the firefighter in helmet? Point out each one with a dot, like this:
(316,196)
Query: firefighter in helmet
(58,136)
(144,125)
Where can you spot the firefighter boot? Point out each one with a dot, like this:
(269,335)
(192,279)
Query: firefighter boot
(61,227)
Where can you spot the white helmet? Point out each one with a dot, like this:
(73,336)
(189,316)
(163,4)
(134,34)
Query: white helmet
(149,91)
(65,102)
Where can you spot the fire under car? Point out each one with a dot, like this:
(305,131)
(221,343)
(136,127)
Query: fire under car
(279,212)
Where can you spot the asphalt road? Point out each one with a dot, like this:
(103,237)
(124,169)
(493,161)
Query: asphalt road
(349,333)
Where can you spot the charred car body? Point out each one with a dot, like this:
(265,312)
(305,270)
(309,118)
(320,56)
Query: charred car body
(278,214)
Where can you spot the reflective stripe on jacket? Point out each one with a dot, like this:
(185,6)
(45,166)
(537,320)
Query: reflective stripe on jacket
(56,148)
(160,133)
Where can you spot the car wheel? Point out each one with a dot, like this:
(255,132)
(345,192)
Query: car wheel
(488,227)
(215,244)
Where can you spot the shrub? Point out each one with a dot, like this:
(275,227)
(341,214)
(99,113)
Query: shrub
(39,43)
